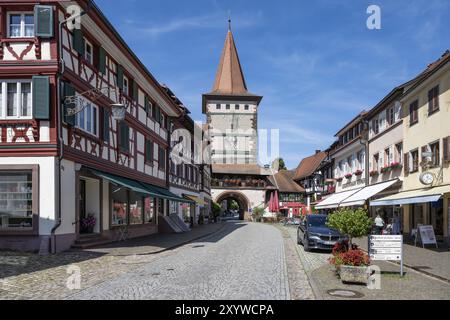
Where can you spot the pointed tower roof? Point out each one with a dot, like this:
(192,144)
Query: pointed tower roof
(229,78)
(230,81)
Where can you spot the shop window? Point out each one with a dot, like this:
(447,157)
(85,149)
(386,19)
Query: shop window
(16,200)
(149,210)
(21,25)
(16,100)
(136,208)
(119,197)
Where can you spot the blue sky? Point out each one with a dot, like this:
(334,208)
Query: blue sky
(316,63)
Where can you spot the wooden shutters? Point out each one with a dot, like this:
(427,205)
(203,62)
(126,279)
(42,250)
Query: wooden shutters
(120,76)
(149,151)
(135,91)
(102,60)
(147,107)
(41,97)
(446,147)
(69,91)
(124,137)
(162,158)
(78,41)
(433,99)
(413,112)
(106,125)
(406,164)
(43,17)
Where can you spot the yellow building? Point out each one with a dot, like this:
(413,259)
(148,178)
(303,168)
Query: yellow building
(425,197)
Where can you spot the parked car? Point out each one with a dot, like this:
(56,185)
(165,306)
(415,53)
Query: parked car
(313,233)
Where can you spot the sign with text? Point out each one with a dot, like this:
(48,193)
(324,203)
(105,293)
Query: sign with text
(386,247)
(427,235)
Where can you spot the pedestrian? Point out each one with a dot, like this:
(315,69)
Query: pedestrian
(379,224)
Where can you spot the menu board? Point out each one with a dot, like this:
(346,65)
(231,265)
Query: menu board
(427,235)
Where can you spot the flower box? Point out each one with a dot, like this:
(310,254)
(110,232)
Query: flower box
(386,169)
(358,173)
(374,173)
(348,176)
(351,274)
(339,179)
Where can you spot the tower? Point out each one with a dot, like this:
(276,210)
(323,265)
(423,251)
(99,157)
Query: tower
(232,111)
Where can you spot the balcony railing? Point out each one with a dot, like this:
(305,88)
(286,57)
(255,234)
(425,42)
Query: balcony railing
(232,183)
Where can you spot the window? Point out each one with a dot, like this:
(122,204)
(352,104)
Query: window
(15,99)
(376,162)
(435,157)
(149,210)
(88,52)
(217,106)
(391,116)
(236,107)
(375,126)
(228,107)
(148,151)
(119,198)
(162,158)
(349,164)
(87,119)
(361,162)
(388,157)
(414,155)
(414,112)
(126,86)
(398,152)
(21,25)
(433,100)
(247,107)
(16,200)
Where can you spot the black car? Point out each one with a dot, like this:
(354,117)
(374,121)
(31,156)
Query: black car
(313,233)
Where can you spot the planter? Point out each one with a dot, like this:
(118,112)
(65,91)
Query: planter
(351,274)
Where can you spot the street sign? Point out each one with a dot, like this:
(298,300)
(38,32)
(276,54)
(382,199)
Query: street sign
(386,248)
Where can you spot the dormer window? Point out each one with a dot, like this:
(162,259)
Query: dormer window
(21,25)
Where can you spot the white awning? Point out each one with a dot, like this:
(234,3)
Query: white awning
(411,197)
(359,198)
(335,200)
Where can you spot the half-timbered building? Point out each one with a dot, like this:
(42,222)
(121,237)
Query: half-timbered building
(72,172)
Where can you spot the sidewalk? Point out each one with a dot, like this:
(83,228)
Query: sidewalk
(30,276)
(431,261)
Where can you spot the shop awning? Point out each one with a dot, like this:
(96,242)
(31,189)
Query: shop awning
(412,197)
(127,183)
(359,198)
(166,194)
(335,200)
(195,199)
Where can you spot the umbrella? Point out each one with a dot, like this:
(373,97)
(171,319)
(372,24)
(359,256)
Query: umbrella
(276,202)
(271,203)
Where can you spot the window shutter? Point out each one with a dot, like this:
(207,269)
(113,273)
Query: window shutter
(78,41)
(406,164)
(43,16)
(102,60)
(69,91)
(446,143)
(41,98)
(147,106)
(135,91)
(124,137)
(120,76)
(436,95)
(158,115)
(148,151)
(430,100)
(106,126)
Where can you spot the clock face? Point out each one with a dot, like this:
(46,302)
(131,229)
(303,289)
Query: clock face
(427,178)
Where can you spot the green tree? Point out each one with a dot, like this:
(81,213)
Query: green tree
(353,223)
(281,164)
(257,213)
(216,209)
(234,205)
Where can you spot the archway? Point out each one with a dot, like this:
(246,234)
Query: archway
(226,198)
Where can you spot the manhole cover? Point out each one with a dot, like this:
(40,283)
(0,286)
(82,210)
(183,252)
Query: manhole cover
(345,293)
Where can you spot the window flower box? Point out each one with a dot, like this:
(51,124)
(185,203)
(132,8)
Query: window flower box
(358,173)
(339,179)
(396,165)
(386,169)
(348,176)
(374,173)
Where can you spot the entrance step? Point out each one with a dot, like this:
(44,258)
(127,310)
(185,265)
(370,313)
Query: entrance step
(90,241)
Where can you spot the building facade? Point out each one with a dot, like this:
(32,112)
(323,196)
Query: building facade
(71,173)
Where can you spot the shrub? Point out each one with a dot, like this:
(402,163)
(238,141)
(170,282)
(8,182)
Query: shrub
(355,258)
(353,223)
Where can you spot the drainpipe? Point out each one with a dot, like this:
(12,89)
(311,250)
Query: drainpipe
(59,129)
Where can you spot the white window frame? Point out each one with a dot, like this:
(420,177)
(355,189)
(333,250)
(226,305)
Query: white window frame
(78,115)
(86,44)
(4,101)
(22,23)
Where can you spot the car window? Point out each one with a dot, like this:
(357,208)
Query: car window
(317,221)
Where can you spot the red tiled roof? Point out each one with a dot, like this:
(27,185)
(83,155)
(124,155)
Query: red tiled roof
(309,165)
(284,182)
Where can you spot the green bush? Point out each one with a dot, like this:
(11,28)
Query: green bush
(216,209)
(353,223)
(257,213)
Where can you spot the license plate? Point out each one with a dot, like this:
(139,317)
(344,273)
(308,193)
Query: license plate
(330,243)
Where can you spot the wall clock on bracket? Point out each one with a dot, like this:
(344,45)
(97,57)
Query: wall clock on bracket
(427,178)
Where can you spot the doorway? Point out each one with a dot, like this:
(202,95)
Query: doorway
(89,207)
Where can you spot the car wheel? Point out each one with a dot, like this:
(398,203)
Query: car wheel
(299,240)
(306,245)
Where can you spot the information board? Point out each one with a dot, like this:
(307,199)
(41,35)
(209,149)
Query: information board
(386,247)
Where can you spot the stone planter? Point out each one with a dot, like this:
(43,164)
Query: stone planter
(352,274)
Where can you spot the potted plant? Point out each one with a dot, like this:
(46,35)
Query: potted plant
(88,223)
(358,173)
(348,176)
(351,262)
